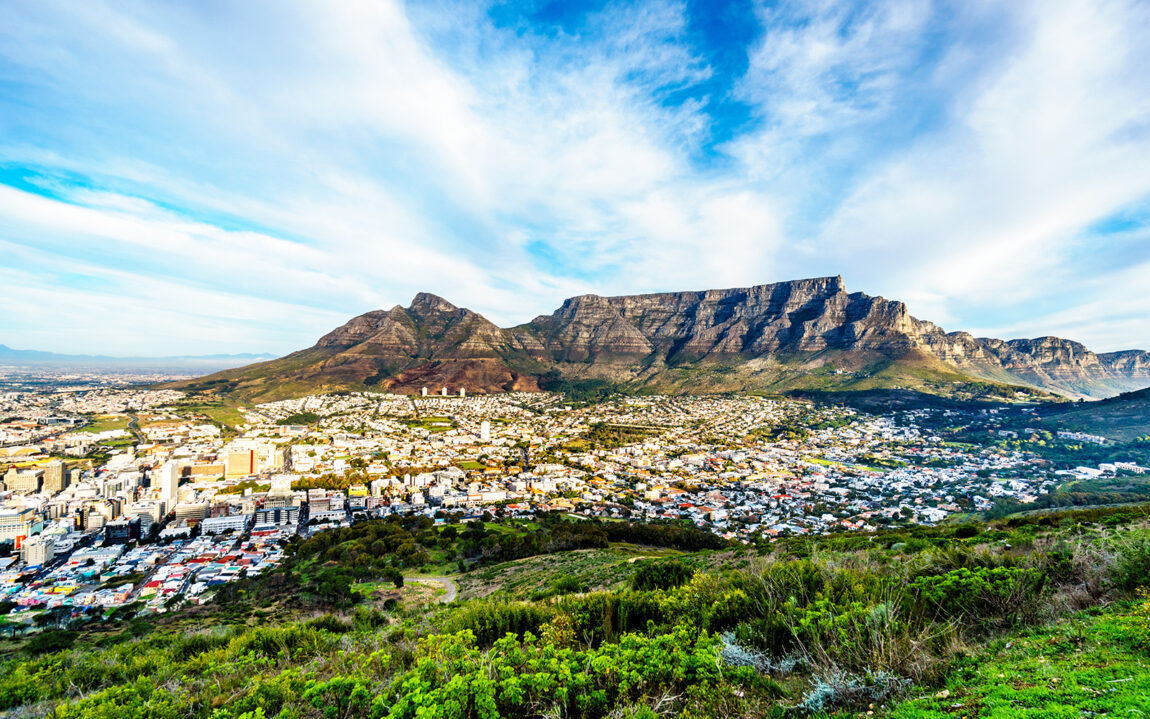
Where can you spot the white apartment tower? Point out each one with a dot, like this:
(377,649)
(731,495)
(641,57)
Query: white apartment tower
(169,484)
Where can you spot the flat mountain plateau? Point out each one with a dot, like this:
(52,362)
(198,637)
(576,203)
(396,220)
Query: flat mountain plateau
(799,335)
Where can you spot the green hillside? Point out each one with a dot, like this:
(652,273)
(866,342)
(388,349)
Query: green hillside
(1029,616)
(1124,418)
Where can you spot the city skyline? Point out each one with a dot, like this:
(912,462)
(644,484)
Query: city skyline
(243,178)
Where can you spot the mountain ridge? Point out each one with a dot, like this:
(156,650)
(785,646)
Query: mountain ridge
(40,358)
(785,335)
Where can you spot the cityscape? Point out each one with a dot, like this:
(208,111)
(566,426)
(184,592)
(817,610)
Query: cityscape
(118,495)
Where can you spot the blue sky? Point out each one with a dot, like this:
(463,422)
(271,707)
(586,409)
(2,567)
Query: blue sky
(242,177)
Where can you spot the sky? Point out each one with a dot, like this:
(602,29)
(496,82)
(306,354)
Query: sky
(220,176)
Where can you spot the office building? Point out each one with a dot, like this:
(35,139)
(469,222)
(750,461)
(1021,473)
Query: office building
(237,523)
(55,477)
(38,551)
(18,524)
(276,517)
(169,484)
(240,464)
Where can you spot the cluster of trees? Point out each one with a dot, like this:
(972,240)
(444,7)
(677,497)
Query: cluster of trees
(486,546)
(301,418)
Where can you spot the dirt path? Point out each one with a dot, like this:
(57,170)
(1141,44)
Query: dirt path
(449,586)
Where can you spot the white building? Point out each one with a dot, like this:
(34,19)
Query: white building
(169,482)
(39,550)
(218,525)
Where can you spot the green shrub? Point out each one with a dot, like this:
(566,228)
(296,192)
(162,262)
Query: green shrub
(330,623)
(139,700)
(661,575)
(604,616)
(567,584)
(1131,567)
(52,640)
(490,621)
(1006,595)
(190,645)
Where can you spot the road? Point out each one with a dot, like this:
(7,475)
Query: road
(449,586)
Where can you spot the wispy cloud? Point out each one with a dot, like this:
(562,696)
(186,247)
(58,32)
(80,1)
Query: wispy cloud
(309,162)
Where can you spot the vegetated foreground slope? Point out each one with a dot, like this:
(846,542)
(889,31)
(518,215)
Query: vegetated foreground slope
(1024,617)
(804,334)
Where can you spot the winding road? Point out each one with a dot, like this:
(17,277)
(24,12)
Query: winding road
(449,586)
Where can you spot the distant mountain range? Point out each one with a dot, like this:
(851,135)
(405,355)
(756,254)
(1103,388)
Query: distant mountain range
(804,334)
(197,363)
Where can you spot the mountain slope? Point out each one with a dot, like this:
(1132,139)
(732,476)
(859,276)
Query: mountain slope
(1124,418)
(809,334)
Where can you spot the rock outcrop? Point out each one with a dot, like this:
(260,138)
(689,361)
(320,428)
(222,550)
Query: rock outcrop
(782,335)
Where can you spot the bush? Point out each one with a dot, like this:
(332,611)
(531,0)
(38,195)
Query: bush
(1131,567)
(190,645)
(330,623)
(490,621)
(841,690)
(661,575)
(1139,622)
(53,640)
(567,584)
(605,616)
(1004,595)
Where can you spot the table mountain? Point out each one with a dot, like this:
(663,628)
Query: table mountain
(789,335)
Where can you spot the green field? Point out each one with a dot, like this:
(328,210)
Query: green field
(431,424)
(226,415)
(106,423)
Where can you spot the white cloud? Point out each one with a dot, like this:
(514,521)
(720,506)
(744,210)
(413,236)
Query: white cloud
(317,161)
(984,214)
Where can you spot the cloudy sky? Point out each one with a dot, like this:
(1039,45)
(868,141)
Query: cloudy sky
(226,176)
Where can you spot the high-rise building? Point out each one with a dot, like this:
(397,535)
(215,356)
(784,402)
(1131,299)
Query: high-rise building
(240,464)
(485,430)
(462,392)
(55,477)
(169,484)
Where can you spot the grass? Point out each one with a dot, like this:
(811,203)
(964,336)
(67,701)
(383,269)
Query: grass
(221,413)
(107,423)
(431,424)
(1084,665)
(594,569)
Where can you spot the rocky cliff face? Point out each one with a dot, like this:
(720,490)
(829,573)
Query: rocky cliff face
(805,316)
(758,337)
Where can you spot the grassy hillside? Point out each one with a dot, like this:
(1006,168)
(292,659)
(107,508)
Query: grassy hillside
(320,370)
(1031,616)
(1123,418)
